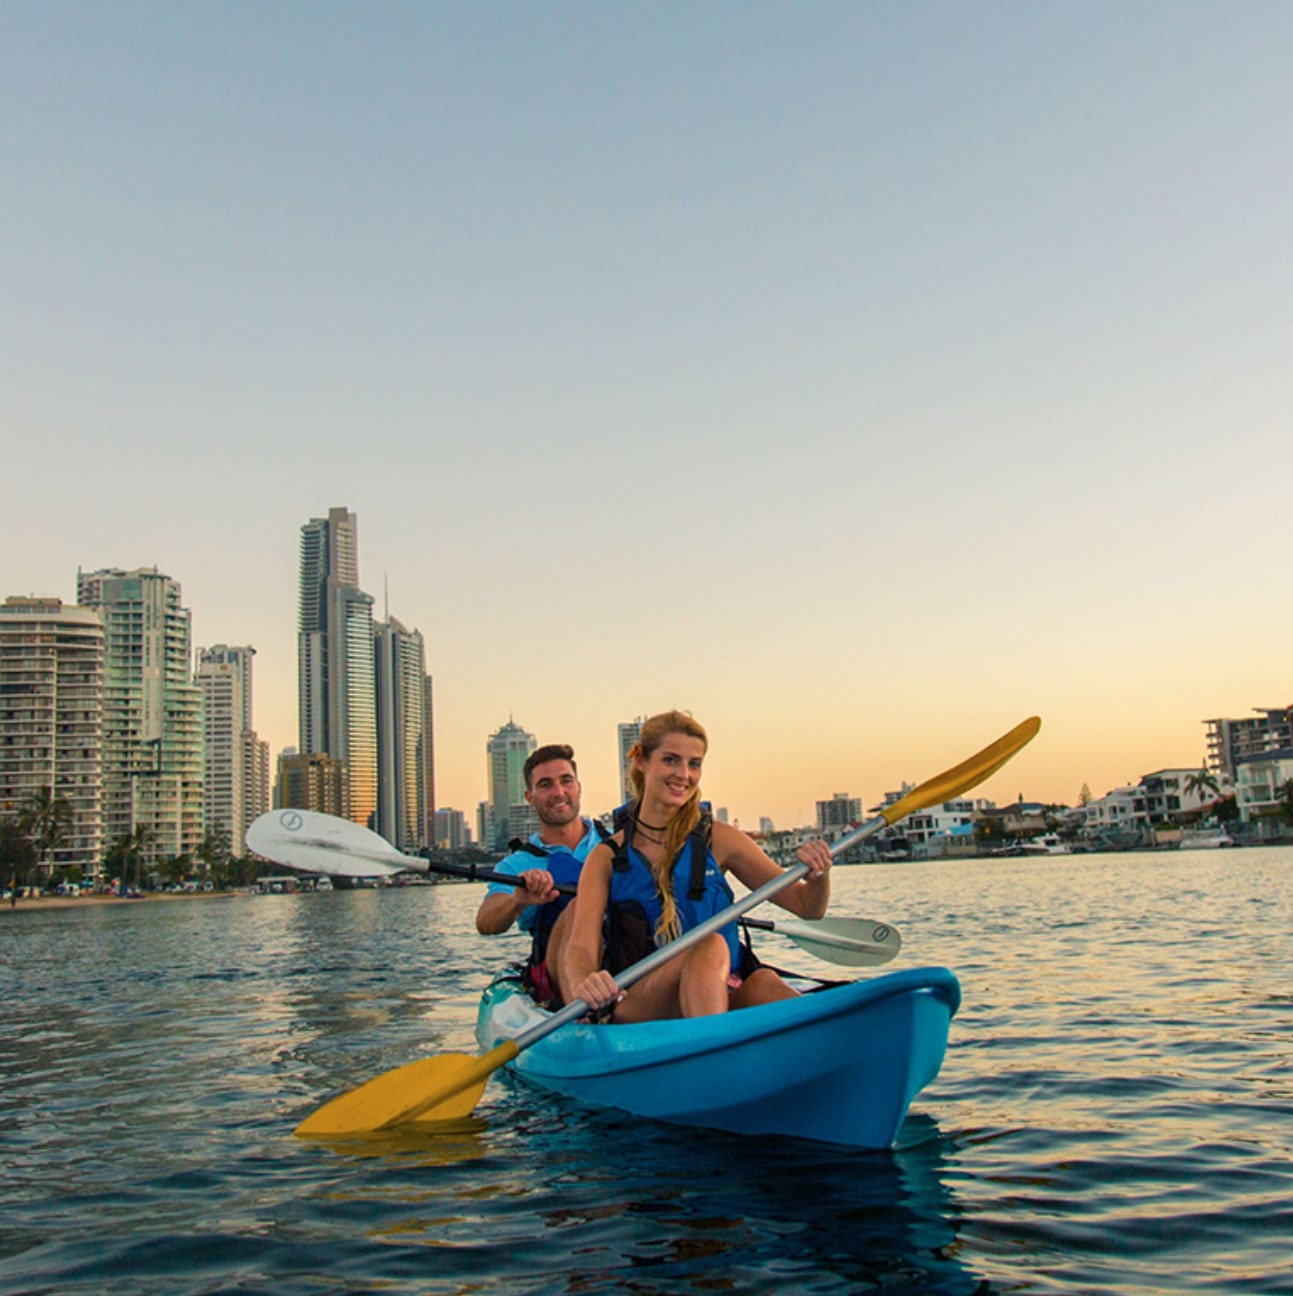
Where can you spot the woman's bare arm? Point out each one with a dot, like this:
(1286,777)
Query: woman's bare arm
(736,852)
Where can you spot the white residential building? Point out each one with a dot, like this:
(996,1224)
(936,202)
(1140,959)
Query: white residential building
(236,760)
(930,830)
(51,686)
(1259,784)
(1117,812)
(152,712)
(403,741)
(1231,742)
(1162,797)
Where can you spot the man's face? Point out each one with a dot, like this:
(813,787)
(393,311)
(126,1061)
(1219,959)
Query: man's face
(554,793)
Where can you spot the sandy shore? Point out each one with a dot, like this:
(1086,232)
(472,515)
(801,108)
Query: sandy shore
(82,902)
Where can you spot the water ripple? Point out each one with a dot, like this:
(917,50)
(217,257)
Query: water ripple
(1112,1117)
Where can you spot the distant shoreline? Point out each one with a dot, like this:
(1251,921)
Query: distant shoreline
(83,902)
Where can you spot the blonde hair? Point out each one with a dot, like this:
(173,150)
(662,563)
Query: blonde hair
(654,732)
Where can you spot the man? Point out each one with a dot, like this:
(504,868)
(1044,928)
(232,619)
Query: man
(552,857)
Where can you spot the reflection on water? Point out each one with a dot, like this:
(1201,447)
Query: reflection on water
(1112,1115)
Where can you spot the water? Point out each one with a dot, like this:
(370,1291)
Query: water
(1115,1113)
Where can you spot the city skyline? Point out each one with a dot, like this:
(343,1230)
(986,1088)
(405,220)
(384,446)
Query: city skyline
(507,747)
(861,380)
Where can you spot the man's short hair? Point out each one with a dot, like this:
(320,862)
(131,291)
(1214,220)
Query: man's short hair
(553,751)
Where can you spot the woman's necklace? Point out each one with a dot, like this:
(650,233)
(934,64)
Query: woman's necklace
(651,832)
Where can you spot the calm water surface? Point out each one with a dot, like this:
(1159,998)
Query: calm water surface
(1115,1114)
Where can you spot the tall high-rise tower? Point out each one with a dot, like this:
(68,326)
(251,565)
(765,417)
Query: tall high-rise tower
(329,558)
(506,751)
(237,761)
(337,689)
(51,687)
(403,737)
(628,734)
(152,711)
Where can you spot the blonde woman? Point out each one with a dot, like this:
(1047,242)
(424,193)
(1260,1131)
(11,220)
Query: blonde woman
(661,874)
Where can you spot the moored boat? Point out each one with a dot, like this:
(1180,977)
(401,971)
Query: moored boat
(840,1064)
(1045,844)
(1206,838)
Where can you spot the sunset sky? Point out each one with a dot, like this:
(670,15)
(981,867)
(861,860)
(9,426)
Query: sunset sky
(860,377)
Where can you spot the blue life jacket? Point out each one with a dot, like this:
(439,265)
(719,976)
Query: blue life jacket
(565,865)
(699,891)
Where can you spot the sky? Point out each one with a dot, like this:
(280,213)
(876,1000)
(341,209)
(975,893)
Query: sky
(862,378)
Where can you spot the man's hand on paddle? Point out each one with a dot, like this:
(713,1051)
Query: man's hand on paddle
(536,887)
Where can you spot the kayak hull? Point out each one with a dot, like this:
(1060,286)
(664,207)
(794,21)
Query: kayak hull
(840,1065)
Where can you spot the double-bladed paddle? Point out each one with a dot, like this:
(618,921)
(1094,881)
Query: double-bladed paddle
(851,942)
(319,843)
(449,1086)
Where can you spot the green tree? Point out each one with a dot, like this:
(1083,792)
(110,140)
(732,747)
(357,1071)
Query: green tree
(125,853)
(47,821)
(17,854)
(215,851)
(1226,810)
(175,870)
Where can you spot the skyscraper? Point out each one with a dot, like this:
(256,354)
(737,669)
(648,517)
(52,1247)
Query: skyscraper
(51,685)
(329,558)
(403,738)
(428,758)
(237,770)
(152,711)
(628,735)
(337,687)
(506,751)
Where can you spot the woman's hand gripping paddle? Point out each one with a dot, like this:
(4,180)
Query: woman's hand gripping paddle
(448,1087)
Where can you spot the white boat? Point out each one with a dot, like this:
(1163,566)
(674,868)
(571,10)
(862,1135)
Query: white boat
(1046,844)
(1205,838)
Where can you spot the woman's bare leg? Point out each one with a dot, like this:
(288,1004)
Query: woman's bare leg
(692,985)
(763,985)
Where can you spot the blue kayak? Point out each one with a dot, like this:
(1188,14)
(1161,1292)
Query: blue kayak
(840,1065)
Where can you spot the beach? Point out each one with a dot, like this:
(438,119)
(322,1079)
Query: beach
(27,903)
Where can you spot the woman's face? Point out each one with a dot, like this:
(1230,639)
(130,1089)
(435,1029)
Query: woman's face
(672,771)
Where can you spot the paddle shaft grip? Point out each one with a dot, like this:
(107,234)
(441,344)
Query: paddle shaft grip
(476,874)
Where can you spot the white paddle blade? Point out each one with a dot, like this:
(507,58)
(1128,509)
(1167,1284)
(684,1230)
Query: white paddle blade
(318,843)
(853,942)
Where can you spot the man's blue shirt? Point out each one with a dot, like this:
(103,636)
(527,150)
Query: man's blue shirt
(521,861)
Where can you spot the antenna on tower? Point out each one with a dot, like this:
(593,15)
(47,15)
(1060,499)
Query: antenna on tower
(386,596)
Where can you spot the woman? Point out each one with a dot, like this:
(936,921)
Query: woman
(660,870)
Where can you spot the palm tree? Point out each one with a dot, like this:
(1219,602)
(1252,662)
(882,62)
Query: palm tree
(1202,784)
(47,820)
(214,851)
(128,849)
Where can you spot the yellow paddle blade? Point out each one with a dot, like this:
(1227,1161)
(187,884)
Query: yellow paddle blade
(968,774)
(441,1088)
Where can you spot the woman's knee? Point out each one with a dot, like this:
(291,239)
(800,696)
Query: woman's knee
(712,954)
